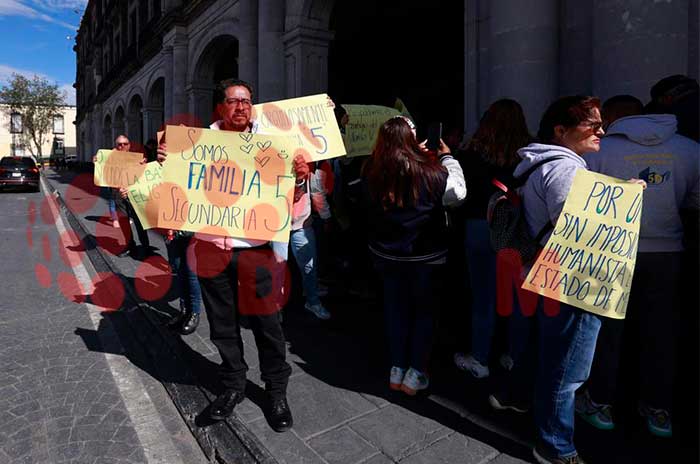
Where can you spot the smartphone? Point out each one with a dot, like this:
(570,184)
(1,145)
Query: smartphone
(434,136)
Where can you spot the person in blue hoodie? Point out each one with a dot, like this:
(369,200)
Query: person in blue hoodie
(646,146)
(569,128)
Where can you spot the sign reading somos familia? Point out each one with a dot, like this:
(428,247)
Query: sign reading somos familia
(588,262)
(227,183)
(308,122)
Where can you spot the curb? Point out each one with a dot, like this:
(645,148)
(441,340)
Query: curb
(224,442)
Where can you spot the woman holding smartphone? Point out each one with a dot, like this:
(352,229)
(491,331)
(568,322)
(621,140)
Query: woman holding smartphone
(407,188)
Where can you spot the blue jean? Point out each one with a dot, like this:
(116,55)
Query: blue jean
(107,194)
(190,292)
(409,297)
(303,244)
(566,345)
(482,277)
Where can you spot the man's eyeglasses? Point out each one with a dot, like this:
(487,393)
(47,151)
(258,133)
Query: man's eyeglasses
(236,101)
(123,144)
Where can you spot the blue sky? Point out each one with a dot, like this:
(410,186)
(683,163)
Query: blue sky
(38,38)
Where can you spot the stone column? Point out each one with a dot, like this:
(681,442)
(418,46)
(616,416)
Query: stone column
(174,53)
(637,43)
(523,54)
(576,48)
(168,90)
(179,70)
(694,39)
(270,51)
(306,61)
(476,62)
(248,43)
(199,102)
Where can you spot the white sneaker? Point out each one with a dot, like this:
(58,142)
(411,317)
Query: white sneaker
(396,377)
(318,310)
(414,381)
(470,364)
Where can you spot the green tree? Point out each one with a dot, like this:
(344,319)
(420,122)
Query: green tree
(37,100)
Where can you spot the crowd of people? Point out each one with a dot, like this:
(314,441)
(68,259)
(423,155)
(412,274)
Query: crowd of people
(390,213)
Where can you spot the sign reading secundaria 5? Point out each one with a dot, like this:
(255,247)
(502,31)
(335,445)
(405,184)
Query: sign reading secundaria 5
(226,183)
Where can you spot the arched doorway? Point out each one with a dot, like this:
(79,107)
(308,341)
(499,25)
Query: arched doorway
(415,52)
(218,61)
(135,121)
(107,139)
(118,124)
(155,107)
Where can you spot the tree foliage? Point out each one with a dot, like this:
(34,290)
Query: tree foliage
(37,100)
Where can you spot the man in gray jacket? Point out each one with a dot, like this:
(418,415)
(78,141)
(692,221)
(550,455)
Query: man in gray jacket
(646,146)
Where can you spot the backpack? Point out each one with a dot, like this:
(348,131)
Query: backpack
(506,218)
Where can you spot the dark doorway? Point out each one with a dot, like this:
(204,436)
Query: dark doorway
(409,49)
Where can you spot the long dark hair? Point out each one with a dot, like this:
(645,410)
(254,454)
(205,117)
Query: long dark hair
(502,131)
(399,168)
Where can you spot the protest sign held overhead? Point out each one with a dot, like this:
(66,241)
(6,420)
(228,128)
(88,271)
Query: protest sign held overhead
(227,183)
(363,125)
(111,167)
(308,122)
(143,192)
(588,262)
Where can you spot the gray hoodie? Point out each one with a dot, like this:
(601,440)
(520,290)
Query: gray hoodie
(546,189)
(648,148)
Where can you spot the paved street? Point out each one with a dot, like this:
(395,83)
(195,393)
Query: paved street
(90,373)
(68,392)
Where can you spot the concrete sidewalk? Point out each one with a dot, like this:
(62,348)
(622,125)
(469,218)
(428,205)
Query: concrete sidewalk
(342,407)
(343,410)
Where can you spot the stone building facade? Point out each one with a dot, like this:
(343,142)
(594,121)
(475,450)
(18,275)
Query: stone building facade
(143,62)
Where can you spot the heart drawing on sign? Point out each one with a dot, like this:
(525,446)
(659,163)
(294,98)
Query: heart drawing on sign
(246,136)
(264,145)
(247,148)
(262,161)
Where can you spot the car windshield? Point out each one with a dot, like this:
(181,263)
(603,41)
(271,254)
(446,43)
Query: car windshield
(10,162)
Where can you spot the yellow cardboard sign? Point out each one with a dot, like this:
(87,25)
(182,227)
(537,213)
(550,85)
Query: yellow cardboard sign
(307,121)
(227,183)
(111,166)
(363,125)
(588,262)
(143,192)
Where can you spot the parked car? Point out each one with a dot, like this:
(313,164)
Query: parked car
(19,171)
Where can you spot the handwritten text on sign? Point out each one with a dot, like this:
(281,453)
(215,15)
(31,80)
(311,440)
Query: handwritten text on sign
(111,166)
(308,122)
(227,183)
(588,262)
(363,125)
(144,194)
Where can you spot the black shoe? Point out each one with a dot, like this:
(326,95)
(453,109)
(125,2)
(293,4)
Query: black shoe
(190,324)
(177,321)
(502,401)
(279,415)
(225,403)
